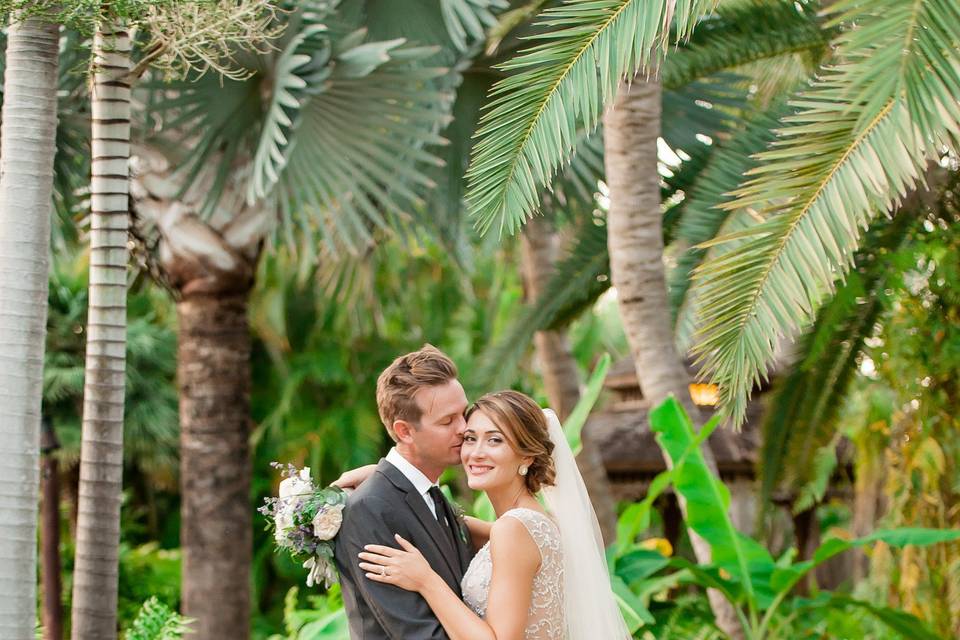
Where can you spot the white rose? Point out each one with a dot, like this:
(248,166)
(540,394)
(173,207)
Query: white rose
(294,490)
(327,522)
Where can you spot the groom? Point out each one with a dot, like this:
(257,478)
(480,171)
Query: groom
(421,404)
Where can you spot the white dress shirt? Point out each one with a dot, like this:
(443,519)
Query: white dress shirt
(419,481)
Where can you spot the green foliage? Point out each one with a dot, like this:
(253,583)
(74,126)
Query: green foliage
(912,365)
(700,216)
(157,621)
(800,427)
(330,129)
(862,137)
(740,33)
(324,619)
(741,569)
(147,571)
(151,423)
(578,280)
(573,426)
(557,87)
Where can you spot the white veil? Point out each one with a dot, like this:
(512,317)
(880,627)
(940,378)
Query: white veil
(590,609)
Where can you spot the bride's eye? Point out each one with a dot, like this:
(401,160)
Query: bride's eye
(469,438)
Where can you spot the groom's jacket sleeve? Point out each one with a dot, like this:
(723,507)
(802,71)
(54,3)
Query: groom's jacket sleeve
(403,615)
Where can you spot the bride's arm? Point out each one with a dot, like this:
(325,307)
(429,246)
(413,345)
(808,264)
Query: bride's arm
(479,530)
(516,559)
(353,478)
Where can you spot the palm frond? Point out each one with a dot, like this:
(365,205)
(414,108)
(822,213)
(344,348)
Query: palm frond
(467,21)
(864,133)
(300,72)
(331,133)
(559,87)
(742,34)
(704,109)
(802,415)
(458,27)
(361,153)
(577,281)
(700,216)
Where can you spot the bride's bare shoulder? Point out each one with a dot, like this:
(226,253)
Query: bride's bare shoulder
(511,541)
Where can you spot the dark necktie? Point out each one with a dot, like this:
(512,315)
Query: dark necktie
(444,514)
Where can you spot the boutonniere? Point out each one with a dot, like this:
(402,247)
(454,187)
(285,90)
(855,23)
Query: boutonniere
(459,514)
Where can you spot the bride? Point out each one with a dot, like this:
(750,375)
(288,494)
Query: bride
(539,574)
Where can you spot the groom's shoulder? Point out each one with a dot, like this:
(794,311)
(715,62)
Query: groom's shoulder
(375,496)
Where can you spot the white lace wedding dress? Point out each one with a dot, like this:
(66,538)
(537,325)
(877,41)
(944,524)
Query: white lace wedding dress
(545,619)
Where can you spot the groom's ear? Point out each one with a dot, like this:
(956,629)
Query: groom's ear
(404,431)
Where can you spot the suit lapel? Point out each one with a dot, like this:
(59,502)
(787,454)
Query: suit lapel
(433,527)
(419,508)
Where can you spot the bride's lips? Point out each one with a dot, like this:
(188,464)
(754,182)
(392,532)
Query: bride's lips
(479,469)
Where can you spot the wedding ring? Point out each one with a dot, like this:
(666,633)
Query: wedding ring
(385,571)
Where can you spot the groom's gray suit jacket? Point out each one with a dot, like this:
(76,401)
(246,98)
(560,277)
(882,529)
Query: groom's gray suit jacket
(385,504)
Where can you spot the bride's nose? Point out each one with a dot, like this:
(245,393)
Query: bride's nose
(477,451)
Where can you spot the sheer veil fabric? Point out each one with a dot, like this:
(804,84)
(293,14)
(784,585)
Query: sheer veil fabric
(590,609)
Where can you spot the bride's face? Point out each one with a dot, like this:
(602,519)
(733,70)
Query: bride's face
(488,458)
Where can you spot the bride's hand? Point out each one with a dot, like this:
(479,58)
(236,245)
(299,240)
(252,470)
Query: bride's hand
(405,568)
(353,478)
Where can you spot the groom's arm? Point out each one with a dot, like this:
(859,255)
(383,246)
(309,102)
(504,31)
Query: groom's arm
(402,614)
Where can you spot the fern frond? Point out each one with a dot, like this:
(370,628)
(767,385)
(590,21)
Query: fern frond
(157,621)
(559,87)
(862,138)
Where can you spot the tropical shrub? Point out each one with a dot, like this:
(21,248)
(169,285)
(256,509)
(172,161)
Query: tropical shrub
(760,587)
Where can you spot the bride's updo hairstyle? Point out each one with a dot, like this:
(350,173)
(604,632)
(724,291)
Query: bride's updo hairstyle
(525,427)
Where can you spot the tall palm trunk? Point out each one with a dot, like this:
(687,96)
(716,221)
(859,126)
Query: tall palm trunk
(94,612)
(26,184)
(216,536)
(211,268)
(631,129)
(52,613)
(561,379)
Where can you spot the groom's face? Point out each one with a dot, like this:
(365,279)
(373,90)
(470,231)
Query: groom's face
(439,434)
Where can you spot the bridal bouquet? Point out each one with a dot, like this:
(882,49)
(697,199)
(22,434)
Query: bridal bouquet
(305,520)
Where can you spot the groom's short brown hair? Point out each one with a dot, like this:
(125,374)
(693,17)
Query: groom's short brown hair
(399,383)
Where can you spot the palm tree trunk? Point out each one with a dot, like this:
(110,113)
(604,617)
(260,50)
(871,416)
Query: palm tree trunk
(212,271)
(94,612)
(28,134)
(52,614)
(631,129)
(216,535)
(561,379)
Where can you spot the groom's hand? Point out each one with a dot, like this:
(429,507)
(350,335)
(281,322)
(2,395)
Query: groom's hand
(354,477)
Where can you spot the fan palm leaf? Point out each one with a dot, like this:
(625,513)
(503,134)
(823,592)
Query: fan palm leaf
(330,132)
(559,86)
(861,139)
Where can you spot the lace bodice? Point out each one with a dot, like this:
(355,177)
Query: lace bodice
(545,620)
